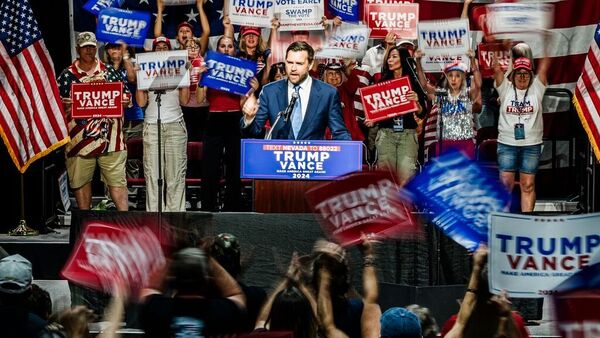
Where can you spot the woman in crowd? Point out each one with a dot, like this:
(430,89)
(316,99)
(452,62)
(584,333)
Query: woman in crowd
(173,142)
(194,113)
(277,72)
(397,138)
(222,139)
(252,46)
(346,82)
(453,110)
(520,127)
(184,29)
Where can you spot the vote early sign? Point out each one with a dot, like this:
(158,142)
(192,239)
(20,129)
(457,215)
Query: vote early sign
(97,99)
(387,99)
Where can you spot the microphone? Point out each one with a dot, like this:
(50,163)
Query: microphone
(288,110)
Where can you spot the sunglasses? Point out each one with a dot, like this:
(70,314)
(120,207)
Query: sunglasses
(522,74)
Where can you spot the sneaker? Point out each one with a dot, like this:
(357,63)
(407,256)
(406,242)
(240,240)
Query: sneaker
(101,205)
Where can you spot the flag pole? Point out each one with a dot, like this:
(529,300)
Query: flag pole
(22,229)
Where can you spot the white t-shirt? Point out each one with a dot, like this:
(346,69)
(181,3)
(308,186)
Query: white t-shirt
(527,111)
(170,110)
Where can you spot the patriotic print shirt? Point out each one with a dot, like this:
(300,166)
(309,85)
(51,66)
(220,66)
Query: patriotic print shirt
(92,137)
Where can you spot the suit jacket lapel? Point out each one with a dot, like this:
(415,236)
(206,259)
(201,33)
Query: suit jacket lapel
(282,101)
(311,110)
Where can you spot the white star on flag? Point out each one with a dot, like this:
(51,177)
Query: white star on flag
(146,1)
(220,13)
(192,16)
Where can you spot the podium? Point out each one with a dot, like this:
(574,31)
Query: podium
(283,170)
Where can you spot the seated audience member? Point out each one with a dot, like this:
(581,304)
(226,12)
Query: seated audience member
(187,309)
(429,326)
(290,307)
(398,322)
(16,318)
(335,316)
(225,248)
(481,314)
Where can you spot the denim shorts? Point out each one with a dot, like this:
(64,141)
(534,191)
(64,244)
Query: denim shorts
(524,159)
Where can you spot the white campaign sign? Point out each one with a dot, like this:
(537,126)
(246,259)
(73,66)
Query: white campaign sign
(162,70)
(348,41)
(299,14)
(506,19)
(257,13)
(443,43)
(530,255)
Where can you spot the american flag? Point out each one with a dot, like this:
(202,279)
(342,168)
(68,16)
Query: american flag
(587,94)
(32,123)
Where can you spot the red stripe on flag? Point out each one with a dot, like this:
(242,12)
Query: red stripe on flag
(593,95)
(9,128)
(37,90)
(14,122)
(586,115)
(565,69)
(56,115)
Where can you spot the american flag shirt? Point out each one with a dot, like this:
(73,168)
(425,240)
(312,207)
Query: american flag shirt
(92,137)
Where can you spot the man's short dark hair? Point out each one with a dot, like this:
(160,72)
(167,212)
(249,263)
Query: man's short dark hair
(300,46)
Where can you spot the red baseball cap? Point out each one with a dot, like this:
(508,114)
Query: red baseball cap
(161,39)
(522,63)
(185,24)
(245,30)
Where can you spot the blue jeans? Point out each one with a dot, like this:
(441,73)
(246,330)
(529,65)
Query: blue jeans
(524,159)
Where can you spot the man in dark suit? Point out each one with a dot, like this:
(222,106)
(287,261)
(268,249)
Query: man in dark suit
(317,106)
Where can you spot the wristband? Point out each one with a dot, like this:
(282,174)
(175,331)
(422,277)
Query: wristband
(472,290)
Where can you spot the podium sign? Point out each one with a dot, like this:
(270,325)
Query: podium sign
(299,159)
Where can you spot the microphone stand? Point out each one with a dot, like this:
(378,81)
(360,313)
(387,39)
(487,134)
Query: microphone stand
(159,180)
(284,113)
(441,96)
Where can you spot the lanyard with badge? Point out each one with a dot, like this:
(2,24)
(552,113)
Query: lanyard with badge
(520,127)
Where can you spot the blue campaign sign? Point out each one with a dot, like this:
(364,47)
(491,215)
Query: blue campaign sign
(299,160)
(95,6)
(120,25)
(461,196)
(345,9)
(228,73)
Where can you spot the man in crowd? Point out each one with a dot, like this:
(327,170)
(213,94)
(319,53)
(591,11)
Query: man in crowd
(95,140)
(317,105)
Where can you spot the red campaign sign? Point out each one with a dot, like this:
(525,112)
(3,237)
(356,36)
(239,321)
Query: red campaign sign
(106,251)
(486,58)
(387,99)
(577,313)
(365,202)
(401,19)
(97,99)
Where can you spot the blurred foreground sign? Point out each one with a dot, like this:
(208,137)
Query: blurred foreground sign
(106,253)
(366,202)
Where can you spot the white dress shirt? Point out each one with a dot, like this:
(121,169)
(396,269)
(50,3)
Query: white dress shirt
(304,92)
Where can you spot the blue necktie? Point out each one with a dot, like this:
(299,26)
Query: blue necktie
(297,113)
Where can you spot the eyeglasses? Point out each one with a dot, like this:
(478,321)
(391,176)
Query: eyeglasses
(192,47)
(522,75)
